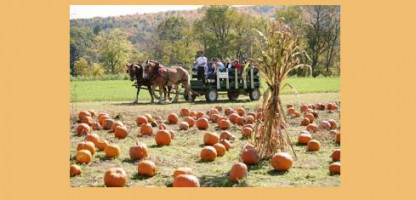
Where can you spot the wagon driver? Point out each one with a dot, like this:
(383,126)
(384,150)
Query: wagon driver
(201,65)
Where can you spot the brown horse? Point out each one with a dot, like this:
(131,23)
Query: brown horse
(163,76)
(136,74)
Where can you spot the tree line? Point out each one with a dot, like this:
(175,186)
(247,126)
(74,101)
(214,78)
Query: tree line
(221,31)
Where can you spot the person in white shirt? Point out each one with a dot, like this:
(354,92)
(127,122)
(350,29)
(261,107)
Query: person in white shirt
(201,65)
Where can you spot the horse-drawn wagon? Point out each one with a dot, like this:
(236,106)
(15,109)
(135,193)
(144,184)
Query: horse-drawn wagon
(231,81)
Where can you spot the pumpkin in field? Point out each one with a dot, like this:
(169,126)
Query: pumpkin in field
(115,177)
(332,106)
(162,126)
(138,151)
(313,145)
(312,128)
(74,170)
(250,156)
(211,138)
(333,124)
(310,116)
(87,145)
(92,137)
(212,111)
(219,108)
(246,131)
(227,135)
(87,120)
(120,132)
(83,156)
(226,144)
(253,114)
(163,138)
(228,111)
(186,180)
(183,126)
(296,114)
(102,117)
(304,138)
(324,125)
(224,124)
(141,120)
(220,149)
(233,117)
(83,113)
(146,168)
(199,114)
(102,144)
(282,161)
(291,111)
(238,172)
(190,121)
(108,123)
(146,129)
(335,168)
(172,134)
(215,118)
(112,151)
(182,170)
(338,137)
(241,121)
(96,126)
(303,108)
(202,124)
(185,112)
(249,126)
(320,106)
(149,118)
(305,122)
(192,114)
(173,118)
(250,119)
(241,111)
(83,128)
(208,153)
(116,124)
(336,155)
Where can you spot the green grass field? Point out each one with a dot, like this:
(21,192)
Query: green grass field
(309,170)
(121,90)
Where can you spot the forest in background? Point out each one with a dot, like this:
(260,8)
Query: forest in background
(103,46)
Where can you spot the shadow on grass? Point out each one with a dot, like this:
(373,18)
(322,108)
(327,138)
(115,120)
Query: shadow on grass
(138,176)
(220,181)
(128,160)
(276,173)
(104,158)
(155,146)
(300,145)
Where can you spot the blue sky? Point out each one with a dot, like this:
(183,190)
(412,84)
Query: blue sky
(89,11)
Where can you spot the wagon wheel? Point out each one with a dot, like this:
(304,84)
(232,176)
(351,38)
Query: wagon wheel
(254,94)
(186,97)
(233,96)
(211,95)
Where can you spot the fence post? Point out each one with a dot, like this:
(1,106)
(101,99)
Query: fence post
(227,83)
(236,78)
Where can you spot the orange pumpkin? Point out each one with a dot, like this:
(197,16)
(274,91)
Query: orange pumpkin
(296,114)
(120,132)
(211,138)
(310,116)
(220,149)
(146,129)
(249,156)
(338,137)
(138,151)
(238,172)
(226,135)
(249,126)
(212,111)
(83,128)
(313,145)
(241,111)
(92,137)
(163,126)
(291,111)
(312,128)
(83,156)
(250,119)
(190,121)
(115,177)
(336,155)
(335,168)
(253,114)
(303,108)
(228,111)
(219,108)
(185,180)
(182,170)
(202,124)
(199,114)
(192,114)
(324,125)
(208,153)
(246,131)
(172,134)
(83,113)
(320,106)
(233,117)
(224,124)
(173,118)
(112,151)
(141,120)
(108,123)
(149,118)
(304,138)
(333,124)
(87,145)
(116,124)
(74,170)
(146,168)
(102,144)
(95,126)
(241,121)
(87,120)
(185,112)
(282,161)
(162,138)
(305,122)
(226,144)
(102,118)
(183,126)
(215,118)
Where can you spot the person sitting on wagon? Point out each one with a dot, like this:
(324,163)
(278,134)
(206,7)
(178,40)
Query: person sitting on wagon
(237,66)
(228,63)
(201,66)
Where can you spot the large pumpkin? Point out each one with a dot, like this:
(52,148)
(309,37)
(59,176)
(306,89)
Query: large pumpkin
(220,149)
(250,156)
(102,117)
(102,144)
(304,138)
(74,170)
(182,170)
(208,153)
(241,111)
(241,120)
(138,151)
(92,137)
(183,126)
(185,112)
(116,124)
(83,113)
(313,145)
(146,168)
(336,155)
(312,128)
(310,116)
(228,111)
(238,172)
(282,161)
(112,151)
(246,131)
(233,117)
(250,119)
(215,118)
(226,144)
(87,145)
(146,129)
(120,132)
(190,121)
(226,135)
(211,138)
(141,120)
(83,156)
(108,123)
(173,118)
(202,124)
(87,120)
(305,121)
(83,128)
(224,124)
(335,168)
(185,180)
(163,138)
(324,125)
(115,177)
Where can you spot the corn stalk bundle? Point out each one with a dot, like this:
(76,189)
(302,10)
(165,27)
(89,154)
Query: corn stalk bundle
(280,54)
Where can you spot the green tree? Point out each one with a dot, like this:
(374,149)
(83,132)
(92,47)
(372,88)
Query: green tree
(113,50)
(81,67)
(97,70)
(81,40)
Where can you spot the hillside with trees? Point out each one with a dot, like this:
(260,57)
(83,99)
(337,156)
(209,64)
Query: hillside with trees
(101,46)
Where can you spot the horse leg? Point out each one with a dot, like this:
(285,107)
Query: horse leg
(150,88)
(137,94)
(161,90)
(175,100)
(169,88)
